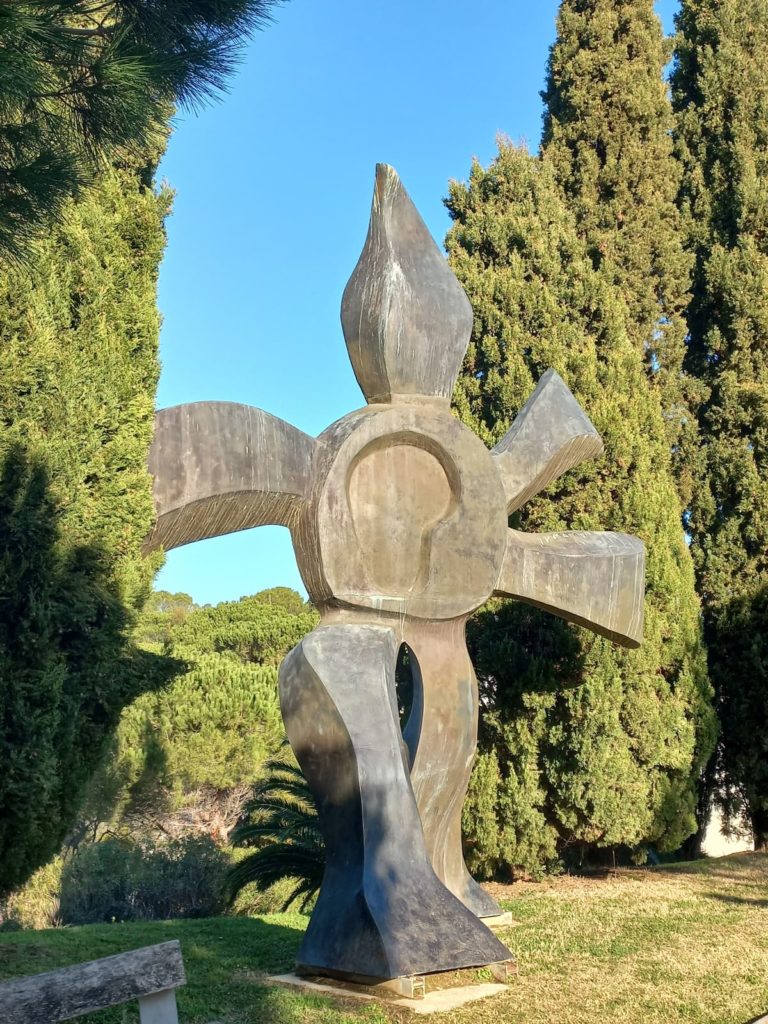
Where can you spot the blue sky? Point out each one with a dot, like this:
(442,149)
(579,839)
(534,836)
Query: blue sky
(273,188)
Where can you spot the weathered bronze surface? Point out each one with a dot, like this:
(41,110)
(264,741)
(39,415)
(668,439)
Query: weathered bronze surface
(398,514)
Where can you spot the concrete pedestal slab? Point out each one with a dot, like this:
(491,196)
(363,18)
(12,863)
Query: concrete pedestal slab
(439,1001)
(505,920)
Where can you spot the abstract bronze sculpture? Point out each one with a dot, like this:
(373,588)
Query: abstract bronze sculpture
(399,517)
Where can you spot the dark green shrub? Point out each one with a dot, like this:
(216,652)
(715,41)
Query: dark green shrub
(36,904)
(118,881)
(720,92)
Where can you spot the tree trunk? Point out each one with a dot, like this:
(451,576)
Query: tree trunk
(760,829)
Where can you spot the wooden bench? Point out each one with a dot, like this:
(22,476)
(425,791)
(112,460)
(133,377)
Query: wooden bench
(151,975)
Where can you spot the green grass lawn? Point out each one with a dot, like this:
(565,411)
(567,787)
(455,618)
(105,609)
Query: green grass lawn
(679,945)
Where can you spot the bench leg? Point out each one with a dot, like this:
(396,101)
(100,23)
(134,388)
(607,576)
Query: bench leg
(159,1008)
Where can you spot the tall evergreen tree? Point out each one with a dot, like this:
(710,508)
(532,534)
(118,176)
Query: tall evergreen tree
(608,133)
(582,743)
(720,91)
(78,371)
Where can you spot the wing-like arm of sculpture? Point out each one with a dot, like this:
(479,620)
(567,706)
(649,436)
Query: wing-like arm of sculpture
(594,579)
(550,435)
(220,467)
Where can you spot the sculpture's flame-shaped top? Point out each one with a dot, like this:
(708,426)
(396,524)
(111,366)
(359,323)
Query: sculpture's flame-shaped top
(406,318)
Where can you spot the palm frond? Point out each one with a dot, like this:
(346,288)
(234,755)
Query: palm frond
(280,824)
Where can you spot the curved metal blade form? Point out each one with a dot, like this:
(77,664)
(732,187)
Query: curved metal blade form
(551,434)
(594,579)
(220,467)
(382,911)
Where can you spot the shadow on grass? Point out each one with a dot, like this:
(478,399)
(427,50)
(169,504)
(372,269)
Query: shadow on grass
(228,963)
(226,960)
(746,901)
(738,867)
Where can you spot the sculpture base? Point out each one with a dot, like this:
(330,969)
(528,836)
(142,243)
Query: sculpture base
(437,1000)
(505,920)
(412,986)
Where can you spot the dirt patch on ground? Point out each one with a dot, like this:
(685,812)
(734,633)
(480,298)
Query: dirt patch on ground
(561,883)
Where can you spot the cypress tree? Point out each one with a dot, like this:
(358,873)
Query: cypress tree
(78,371)
(582,744)
(608,133)
(720,93)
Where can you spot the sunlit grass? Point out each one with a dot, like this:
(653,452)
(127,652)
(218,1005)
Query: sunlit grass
(679,945)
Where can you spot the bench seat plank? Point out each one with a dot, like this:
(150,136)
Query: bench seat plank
(72,991)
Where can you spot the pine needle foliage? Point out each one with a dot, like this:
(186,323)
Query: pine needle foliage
(183,759)
(209,730)
(80,79)
(608,134)
(78,370)
(258,629)
(583,745)
(720,91)
(280,825)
